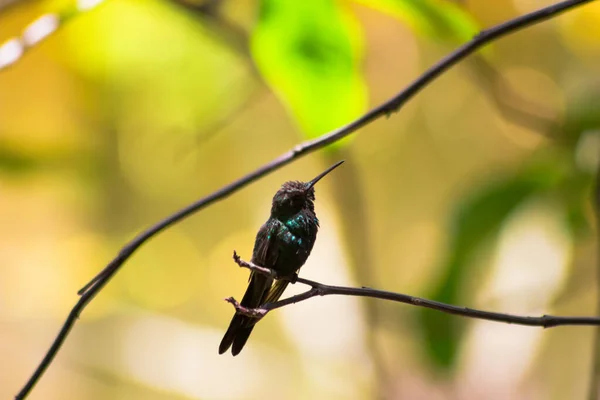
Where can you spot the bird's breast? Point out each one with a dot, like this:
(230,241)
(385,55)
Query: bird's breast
(301,229)
(296,238)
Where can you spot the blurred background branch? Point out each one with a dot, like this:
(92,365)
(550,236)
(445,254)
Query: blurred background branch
(12,50)
(513,107)
(6,4)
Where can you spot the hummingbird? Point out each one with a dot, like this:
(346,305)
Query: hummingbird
(282,244)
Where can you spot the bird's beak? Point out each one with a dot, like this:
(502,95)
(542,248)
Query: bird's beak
(322,174)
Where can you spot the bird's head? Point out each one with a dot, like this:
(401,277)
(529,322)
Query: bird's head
(295,196)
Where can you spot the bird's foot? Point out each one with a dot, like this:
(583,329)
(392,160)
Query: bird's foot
(293,278)
(253,267)
(248,312)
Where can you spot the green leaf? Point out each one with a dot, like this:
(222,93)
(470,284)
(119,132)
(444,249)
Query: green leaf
(438,19)
(474,224)
(309,52)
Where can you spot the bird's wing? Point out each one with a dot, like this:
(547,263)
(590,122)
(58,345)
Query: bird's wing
(265,254)
(266,248)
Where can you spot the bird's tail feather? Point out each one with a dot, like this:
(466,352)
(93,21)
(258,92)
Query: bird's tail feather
(236,323)
(241,326)
(241,338)
(242,334)
(276,291)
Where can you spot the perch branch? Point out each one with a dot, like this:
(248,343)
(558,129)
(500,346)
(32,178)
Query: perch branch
(320,289)
(89,291)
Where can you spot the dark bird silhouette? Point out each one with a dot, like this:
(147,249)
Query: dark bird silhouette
(282,244)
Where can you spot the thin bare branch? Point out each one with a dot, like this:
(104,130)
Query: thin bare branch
(89,291)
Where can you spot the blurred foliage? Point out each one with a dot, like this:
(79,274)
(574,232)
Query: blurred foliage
(555,172)
(473,224)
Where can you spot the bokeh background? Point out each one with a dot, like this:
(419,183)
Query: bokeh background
(477,193)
